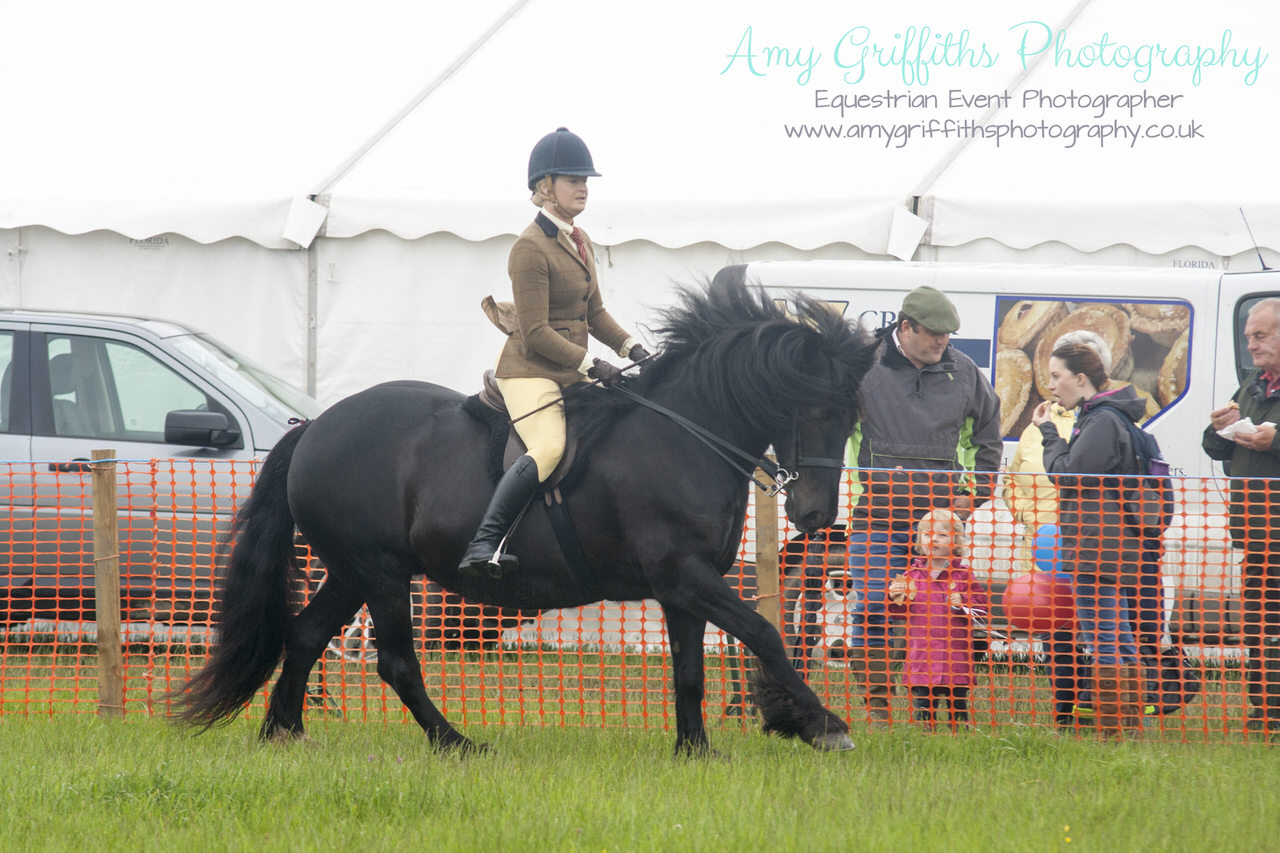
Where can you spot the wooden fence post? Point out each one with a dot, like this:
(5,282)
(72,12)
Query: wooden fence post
(768,584)
(106,585)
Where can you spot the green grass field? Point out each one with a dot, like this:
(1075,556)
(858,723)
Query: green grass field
(538,687)
(74,782)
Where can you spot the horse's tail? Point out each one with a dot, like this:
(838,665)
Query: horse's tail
(254,603)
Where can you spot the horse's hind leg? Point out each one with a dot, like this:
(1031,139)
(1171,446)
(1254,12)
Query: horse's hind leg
(686,631)
(330,608)
(398,666)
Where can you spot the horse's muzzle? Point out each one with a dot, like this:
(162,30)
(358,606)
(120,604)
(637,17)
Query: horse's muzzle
(813,520)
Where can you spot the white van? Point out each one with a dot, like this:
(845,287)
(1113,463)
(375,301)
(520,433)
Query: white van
(1177,334)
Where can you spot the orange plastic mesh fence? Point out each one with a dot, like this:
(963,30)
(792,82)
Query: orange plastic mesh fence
(1203,664)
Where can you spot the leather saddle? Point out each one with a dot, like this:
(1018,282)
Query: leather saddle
(489,402)
(492,397)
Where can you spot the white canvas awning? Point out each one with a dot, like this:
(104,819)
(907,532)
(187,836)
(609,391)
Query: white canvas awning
(1156,194)
(204,120)
(689,132)
(213,121)
(411,123)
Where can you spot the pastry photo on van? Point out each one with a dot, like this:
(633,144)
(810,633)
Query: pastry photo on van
(1148,341)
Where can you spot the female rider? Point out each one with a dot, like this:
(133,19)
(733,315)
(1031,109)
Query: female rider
(557,303)
(1107,550)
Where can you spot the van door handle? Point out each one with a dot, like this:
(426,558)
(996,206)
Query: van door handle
(79,465)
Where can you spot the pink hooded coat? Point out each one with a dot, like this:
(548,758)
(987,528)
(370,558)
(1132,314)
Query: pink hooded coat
(939,639)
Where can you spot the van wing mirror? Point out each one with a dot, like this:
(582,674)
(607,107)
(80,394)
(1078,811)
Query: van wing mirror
(199,429)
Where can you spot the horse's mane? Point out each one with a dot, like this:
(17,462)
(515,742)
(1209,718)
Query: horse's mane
(741,353)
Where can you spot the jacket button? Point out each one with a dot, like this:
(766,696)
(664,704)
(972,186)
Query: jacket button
(584,297)
(588,276)
(583,317)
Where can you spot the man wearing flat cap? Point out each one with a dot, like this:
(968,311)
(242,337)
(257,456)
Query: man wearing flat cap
(930,419)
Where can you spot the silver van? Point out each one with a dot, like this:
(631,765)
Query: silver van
(149,390)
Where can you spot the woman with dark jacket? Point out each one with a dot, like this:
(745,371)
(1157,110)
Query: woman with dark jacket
(1102,548)
(557,304)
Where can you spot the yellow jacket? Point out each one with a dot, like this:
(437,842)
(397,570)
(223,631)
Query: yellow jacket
(1030,496)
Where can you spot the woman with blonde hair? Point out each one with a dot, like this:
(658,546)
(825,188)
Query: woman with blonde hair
(932,596)
(557,304)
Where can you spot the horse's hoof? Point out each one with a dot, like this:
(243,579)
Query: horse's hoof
(458,744)
(285,736)
(699,752)
(832,743)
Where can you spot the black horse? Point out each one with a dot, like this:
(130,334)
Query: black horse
(392,482)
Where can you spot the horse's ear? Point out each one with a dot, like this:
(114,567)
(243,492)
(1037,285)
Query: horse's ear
(732,276)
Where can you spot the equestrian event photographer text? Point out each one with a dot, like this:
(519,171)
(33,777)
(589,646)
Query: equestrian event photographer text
(914,51)
(898,134)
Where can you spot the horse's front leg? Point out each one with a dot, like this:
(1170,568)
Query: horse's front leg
(788,705)
(686,631)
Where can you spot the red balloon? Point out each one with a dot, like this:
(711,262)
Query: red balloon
(1040,602)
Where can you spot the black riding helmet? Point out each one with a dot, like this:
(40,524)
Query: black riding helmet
(560,153)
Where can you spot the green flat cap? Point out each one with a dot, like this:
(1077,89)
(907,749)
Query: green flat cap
(932,309)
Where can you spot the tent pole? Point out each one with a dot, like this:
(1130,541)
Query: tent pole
(312,322)
(1014,84)
(15,251)
(417,99)
(313,310)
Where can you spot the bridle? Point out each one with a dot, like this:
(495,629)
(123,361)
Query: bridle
(781,476)
(802,461)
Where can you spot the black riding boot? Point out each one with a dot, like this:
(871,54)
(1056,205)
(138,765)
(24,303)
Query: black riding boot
(513,493)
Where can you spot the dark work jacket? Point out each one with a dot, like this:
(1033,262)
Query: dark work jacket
(1096,534)
(944,417)
(1255,484)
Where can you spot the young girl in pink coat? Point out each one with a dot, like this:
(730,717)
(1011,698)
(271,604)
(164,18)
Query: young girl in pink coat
(932,596)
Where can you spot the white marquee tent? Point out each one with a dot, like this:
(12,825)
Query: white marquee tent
(332,188)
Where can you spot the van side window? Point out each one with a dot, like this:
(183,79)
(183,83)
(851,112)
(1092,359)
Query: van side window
(1150,343)
(1244,361)
(109,389)
(6,378)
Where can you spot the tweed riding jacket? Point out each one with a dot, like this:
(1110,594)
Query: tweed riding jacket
(557,304)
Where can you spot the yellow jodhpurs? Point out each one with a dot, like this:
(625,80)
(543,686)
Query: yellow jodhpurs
(543,432)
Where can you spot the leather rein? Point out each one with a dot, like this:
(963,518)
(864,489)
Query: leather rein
(781,476)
